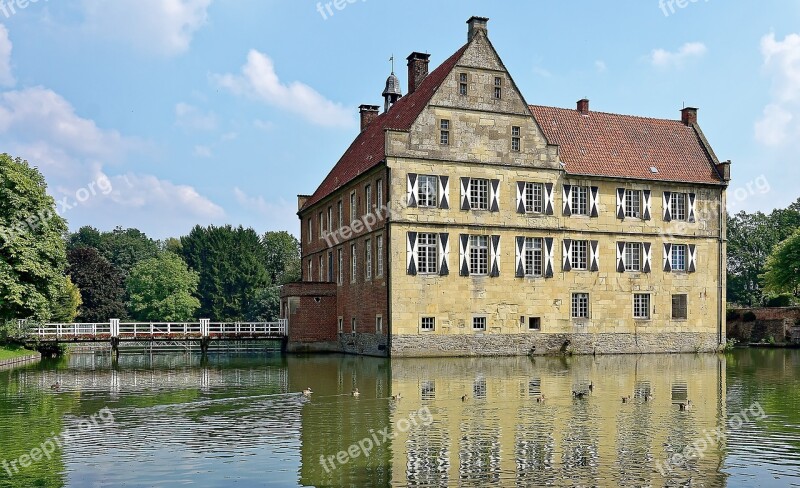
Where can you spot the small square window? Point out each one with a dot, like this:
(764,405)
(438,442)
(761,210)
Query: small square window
(641,306)
(680,308)
(534,323)
(478,323)
(427,324)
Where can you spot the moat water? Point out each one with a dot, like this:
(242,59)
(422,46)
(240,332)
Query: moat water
(242,420)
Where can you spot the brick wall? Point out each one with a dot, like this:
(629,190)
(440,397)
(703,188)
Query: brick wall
(780,323)
(311,310)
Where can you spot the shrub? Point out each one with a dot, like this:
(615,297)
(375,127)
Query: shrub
(780,301)
(749,316)
(732,314)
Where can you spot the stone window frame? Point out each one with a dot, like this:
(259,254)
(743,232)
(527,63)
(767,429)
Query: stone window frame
(310,232)
(579,200)
(353,325)
(498,88)
(353,206)
(579,255)
(533,197)
(321,268)
(674,258)
(642,302)
(478,260)
(428,194)
(684,309)
(525,320)
(427,260)
(634,254)
(516,138)
(479,318)
(679,201)
(579,310)
(422,325)
(340,270)
(633,204)
(534,261)
(479,193)
(353,263)
(340,324)
(321,226)
(444,132)
(341,213)
(310,270)
(368,259)
(379,193)
(367,197)
(379,256)
(463,84)
(379,324)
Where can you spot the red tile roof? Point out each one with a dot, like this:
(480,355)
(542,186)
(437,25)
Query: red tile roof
(367,150)
(626,146)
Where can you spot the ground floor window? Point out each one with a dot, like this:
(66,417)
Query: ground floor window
(379,324)
(641,306)
(427,323)
(341,325)
(680,307)
(580,306)
(353,325)
(478,323)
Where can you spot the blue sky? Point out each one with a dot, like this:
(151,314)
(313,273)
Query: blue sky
(222,111)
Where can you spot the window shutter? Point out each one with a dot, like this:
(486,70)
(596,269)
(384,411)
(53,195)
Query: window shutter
(463,254)
(692,258)
(495,251)
(647,257)
(621,203)
(647,204)
(520,257)
(411,253)
(465,194)
(692,209)
(548,257)
(494,205)
(620,257)
(595,255)
(667,258)
(444,253)
(521,197)
(412,189)
(667,214)
(567,204)
(567,257)
(549,199)
(594,193)
(444,191)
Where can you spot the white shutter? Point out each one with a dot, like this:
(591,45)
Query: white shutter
(620,257)
(594,196)
(549,250)
(692,258)
(567,256)
(494,190)
(594,256)
(465,182)
(521,197)
(549,202)
(647,204)
(463,254)
(621,203)
(444,253)
(444,192)
(567,203)
(495,256)
(692,207)
(519,262)
(667,258)
(647,255)
(667,214)
(412,183)
(411,253)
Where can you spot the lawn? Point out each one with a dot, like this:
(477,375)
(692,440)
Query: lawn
(11,352)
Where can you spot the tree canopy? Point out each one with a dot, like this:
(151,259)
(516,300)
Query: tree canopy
(32,250)
(101,285)
(782,273)
(283,257)
(162,289)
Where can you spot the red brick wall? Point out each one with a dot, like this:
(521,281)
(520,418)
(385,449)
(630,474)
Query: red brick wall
(314,317)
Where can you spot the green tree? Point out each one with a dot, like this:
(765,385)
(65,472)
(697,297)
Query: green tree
(162,289)
(231,264)
(67,304)
(124,248)
(32,250)
(782,273)
(86,236)
(100,283)
(283,257)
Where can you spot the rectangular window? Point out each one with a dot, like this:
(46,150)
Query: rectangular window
(534,323)
(353,207)
(677,206)
(321,269)
(310,271)
(353,325)
(340,269)
(515,138)
(379,260)
(580,200)
(427,324)
(478,323)
(478,255)
(580,306)
(340,327)
(341,215)
(353,266)
(641,306)
(534,197)
(633,204)
(368,259)
(310,231)
(330,219)
(444,132)
(479,194)
(321,226)
(427,253)
(534,257)
(379,193)
(580,255)
(379,324)
(368,198)
(498,87)
(428,191)
(679,252)
(680,308)
(633,256)
(462,83)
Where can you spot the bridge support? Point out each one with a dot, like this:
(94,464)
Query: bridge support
(204,343)
(115,347)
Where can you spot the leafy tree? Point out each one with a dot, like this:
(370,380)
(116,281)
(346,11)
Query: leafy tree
(230,262)
(86,236)
(32,250)
(162,289)
(283,257)
(67,304)
(782,273)
(266,305)
(100,284)
(172,244)
(126,247)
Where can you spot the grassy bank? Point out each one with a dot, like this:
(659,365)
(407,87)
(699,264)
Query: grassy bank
(12,352)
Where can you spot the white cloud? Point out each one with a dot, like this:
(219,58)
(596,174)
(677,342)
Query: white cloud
(6,77)
(280,215)
(265,125)
(778,125)
(164,27)
(662,58)
(190,117)
(600,66)
(203,152)
(157,197)
(260,81)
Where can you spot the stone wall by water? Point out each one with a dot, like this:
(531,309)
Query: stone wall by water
(782,324)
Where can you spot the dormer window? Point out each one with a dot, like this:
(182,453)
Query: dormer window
(462,84)
(444,136)
(515,138)
(498,87)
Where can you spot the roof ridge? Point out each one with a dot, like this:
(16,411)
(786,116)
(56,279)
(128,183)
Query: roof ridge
(643,117)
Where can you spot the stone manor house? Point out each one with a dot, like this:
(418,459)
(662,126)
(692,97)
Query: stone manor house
(464,221)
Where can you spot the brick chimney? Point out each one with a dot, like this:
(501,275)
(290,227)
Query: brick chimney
(477,24)
(368,114)
(583,106)
(689,116)
(417,70)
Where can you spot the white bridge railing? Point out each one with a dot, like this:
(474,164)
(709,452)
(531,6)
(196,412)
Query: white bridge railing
(115,329)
